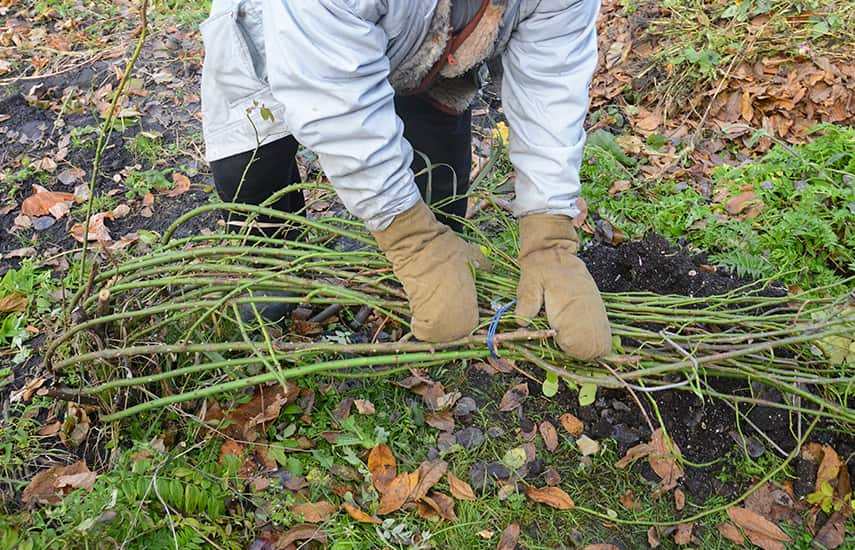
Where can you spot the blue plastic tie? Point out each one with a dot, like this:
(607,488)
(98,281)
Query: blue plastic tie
(494,324)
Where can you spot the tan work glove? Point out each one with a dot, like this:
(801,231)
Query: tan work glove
(550,270)
(434,266)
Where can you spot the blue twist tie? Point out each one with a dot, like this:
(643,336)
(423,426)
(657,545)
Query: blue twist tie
(494,324)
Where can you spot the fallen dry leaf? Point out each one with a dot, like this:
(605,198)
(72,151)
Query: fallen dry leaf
(363,406)
(304,532)
(50,486)
(683,535)
(51,429)
(661,458)
(437,503)
(679,499)
(97,230)
(551,496)
(829,467)
(731,533)
(383,468)
(758,529)
(737,204)
(42,201)
(26,393)
(833,533)
(459,488)
(485,534)
(245,422)
(441,421)
(549,434)
(573,425)
(358,514)
(601,547)
(429,474)
(397,492)
(509,539)
(653,537)
(75,428)
(587,446)
(514,397)
(314,512)
(13,302)
(182,185)
(628,501)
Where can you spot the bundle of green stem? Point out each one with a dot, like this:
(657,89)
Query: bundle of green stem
(166,328)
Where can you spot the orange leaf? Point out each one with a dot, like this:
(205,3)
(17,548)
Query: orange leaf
(459,488)
(828,467)
(397,492)
(735,205)
(358,514)
(182,185)
(42,201)
(382,466)
(551,496)
(573,425)
(314,512)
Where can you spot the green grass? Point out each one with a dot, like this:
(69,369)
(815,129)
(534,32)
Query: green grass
(804,232)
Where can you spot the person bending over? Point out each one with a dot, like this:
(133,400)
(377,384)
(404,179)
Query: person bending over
(363,83)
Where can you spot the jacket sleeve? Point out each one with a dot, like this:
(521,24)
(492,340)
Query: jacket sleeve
(548,65)
(328,66)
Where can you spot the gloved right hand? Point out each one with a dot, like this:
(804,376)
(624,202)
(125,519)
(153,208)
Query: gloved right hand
(433,264)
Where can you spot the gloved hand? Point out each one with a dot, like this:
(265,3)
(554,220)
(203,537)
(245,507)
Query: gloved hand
(550,270)
(434,266)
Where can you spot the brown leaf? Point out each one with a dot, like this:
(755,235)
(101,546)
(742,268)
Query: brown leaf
(51,429)
(510,536)
(551,496)
(363,406)
(97,230)
(550,435)
(628,501)
(653,537)
(42,201)
(514,397)
(551,477)
(13,302)
(75,428)
(383,468)
(441,421)
(358,514)
(440,504)
(397,492)
(731,533)
(736,205)
(573,425)
(759,530)
(50,486)
(342,412)
(182,185)
(429,474)
(501,365)
(459,488)
(601,547)
(660,456)
(244,422)
(314,512)
(26,393)
(647,121)
(304,532)
(679,499)
(683,536)
(619,186)
(833,532)
(829,467)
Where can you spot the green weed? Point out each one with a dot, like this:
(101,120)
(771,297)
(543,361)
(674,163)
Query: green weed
(141,183)
(804,227)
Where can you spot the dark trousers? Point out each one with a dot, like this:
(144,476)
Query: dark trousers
(442,138)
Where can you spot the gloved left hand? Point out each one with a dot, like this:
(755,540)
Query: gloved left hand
(551,273)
